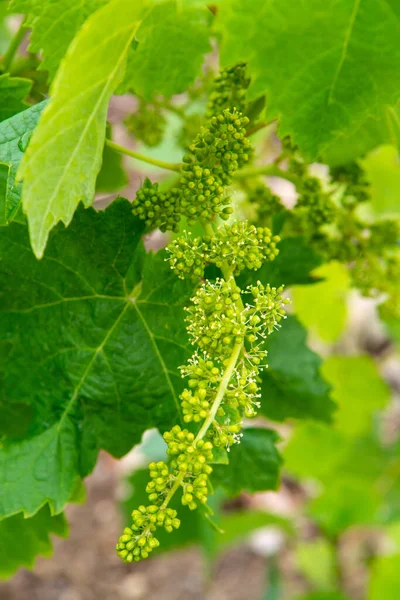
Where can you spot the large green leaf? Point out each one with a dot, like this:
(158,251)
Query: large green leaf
(358,390)
(64,157)
(14,137)
(54,25)
(172,42)
(292,386)
(322,308)
(315,451)
(345,503)
(13,91)
(385,578)
(254,464)
(22,540)
(97,329)
(337,63)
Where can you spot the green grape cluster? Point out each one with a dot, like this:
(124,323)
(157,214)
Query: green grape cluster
(266,204)
(138,541)
(222,376)
(215,154)
(156,208)
(214,322)
(228,334)
(147,124)
(229,90)
(353,177)
(241,245)
(314,208)
(187,257)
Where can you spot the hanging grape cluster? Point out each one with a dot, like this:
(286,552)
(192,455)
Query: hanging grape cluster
(215,154)
(222,389)
(229,90)
(147,124)
(226,325)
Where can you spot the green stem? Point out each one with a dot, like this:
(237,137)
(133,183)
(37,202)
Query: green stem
(172,491)
(223,386)
(272,170)
(23,64)
(151,161)
(14,45)
(256,128)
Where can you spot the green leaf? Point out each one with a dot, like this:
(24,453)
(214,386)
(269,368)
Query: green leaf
(358,390)
(384,129)
(54,25)
(13,91)
(345,503)
(382,167)
(292,386)
(22,540)
(97,329)
(345,76)
(15,134)
(112,176)
(322,308)
(315,559)
(254,464)
(172,42)
(385,578)
(314,450)
(238,525)
(64,157)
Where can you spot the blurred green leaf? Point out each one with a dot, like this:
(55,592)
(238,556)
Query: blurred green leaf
(322,307)
(382,167)
(237,525)
(315,559)
(385,578)
(343,504)
(358,390)
(314,450)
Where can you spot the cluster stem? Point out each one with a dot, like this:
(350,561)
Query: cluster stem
(14,45)
(147,159)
